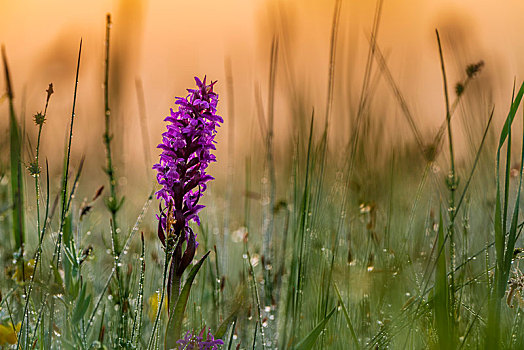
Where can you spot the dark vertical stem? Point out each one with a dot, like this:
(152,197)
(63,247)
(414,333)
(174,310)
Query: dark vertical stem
(112,202)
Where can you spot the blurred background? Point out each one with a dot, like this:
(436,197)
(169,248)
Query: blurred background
(158,46)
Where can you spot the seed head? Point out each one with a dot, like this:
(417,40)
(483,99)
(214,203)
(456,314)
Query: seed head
(459,89)
(39,118)
(474,68)
(33,168)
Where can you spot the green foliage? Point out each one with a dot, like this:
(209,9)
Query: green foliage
(504,249)
(309,341)
(176,314)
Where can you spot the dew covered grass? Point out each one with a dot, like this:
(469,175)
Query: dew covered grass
(330,240)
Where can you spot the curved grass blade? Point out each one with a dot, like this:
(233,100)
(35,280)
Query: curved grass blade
(222,329)
(309,341)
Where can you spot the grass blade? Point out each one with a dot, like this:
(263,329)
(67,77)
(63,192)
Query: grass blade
(309,341)
(17,191)
(348,319)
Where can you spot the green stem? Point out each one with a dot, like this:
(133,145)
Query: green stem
(113,202)
(451,181)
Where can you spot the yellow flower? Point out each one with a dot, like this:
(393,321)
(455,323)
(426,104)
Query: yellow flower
(153,302)
(8,334)
(29,268)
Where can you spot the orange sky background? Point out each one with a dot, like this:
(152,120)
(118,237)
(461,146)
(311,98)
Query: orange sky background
(165,43)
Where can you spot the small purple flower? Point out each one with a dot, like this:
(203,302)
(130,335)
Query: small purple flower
(186,153)
(197,342)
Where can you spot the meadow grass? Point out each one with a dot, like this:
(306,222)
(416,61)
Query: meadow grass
(320,247)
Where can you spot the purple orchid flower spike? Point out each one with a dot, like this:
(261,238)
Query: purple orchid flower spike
(186,153)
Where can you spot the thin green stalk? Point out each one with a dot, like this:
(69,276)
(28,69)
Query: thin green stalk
(58,247)
(257,299)
(37,260)
(324,142)
(159,311)
(137,322)
(230,344)
(452,183)
(271,182)
(37,167)
(297,279)
(112,203)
